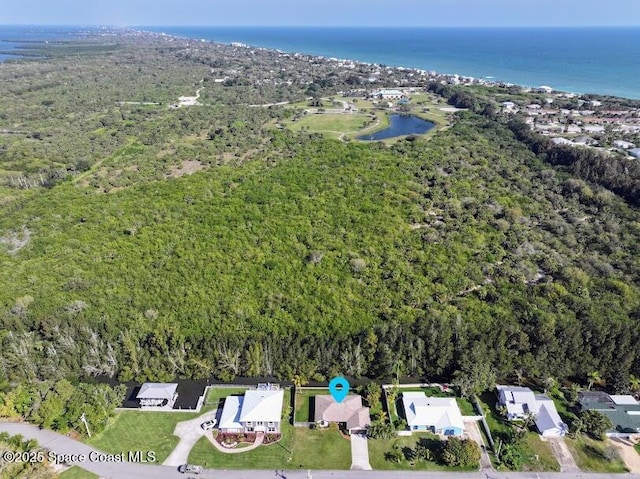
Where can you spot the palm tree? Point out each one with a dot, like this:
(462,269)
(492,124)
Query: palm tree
(594,378)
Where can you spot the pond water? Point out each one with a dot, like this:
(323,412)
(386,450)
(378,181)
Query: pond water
(400,125)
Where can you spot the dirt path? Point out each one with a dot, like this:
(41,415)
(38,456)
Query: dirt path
(563,455)
(629,455)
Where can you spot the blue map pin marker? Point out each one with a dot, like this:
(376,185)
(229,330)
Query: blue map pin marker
(339,388)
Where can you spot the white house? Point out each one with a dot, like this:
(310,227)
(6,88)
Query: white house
(520,402)
(388,94)
(259,410)
(438,415)
(157,395)
(625,145)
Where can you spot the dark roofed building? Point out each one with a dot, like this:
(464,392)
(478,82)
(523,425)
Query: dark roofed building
(623,410)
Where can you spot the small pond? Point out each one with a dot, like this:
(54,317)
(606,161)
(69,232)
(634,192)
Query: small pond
(400,125)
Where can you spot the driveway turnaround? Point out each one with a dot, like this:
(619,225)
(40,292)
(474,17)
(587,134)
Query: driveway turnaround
(563,455)
(189,432)
(129,470)
(359,453)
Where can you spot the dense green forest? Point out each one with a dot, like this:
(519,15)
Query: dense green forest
(465,256)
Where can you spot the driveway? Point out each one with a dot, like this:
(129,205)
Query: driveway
(563,455)
(629,455)
(189,433)
(359,453)
(472,428)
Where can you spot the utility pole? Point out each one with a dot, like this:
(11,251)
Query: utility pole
(83,418)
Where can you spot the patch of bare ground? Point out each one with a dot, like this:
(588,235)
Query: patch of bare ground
(188,167)
(16,240)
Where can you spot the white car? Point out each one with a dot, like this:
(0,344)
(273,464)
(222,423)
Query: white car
(209,424)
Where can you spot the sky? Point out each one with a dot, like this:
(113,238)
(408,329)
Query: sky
(444,13)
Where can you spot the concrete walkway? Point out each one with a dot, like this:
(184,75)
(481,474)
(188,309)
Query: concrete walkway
(189,433)
(258,442)
(359,453)
(472,429)
(563,455)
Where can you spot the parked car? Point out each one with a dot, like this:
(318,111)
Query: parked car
(209,424)
(191,468)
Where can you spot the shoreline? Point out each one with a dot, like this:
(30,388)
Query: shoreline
(453,78)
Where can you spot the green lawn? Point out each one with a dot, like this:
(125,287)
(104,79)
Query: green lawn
(379,447)
(320,449)
(216,395)
(335,123)
(595,456)
(272,456)
(537,454)
(304,400)
(301,448)
(141,431)
(76,472)
(637,448)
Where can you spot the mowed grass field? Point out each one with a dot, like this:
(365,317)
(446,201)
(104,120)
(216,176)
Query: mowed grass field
(299,448)
(141,431)
(332,123)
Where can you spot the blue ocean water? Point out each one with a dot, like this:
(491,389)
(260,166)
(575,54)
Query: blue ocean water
(581,60)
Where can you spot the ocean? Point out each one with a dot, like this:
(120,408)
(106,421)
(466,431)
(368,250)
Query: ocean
(580,60)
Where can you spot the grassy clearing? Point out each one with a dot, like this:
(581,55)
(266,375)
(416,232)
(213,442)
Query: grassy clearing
(537,454)
(304,403)
(320,449)
(637,448)
(76,472)
(595,456)
(141,431)
(333,123)
(215,396)
(378,448)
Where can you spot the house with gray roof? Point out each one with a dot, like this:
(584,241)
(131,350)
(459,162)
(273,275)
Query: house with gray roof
(521,402)
(623,410)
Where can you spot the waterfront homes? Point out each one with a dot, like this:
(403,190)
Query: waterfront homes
(520,402)
(349,414)
(258,410)
(623,410)
(157,395)
(436,414)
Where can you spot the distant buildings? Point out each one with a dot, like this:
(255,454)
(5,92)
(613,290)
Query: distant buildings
(388,94)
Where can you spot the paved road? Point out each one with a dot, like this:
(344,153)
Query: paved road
(64,445)
(189,433)
(360,452)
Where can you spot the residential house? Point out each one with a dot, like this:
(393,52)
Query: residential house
(258,410)
(635,152)
(388,94)
(520,403)
(349,414)
(435,414)
(623,410)
(625,145)
(157,395)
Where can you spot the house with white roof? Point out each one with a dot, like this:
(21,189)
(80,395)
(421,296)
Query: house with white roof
(157,395)
(438,415)
(388,94)
(520,403)
(258,410)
